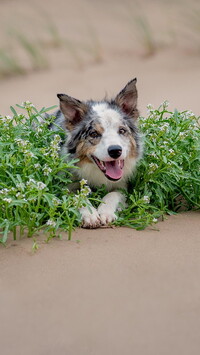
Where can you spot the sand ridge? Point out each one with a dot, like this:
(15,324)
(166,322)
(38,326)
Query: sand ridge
(108,291)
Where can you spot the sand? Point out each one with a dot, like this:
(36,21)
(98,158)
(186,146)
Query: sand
(117,291)
(110,290)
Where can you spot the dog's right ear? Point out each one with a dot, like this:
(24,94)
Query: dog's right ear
(73,110)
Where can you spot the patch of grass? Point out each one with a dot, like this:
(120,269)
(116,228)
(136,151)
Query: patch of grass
(34,178)
(74,51)
(140,25)
(9,64)
(55,38)
(94,47)
(36,55)
(145,33)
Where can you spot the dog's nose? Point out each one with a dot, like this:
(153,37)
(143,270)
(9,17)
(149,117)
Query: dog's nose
(115,151)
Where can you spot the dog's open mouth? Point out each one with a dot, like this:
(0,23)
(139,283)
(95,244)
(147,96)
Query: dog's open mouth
(112,169)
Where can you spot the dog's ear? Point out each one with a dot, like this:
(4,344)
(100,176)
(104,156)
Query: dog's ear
(73,110)
(127,99)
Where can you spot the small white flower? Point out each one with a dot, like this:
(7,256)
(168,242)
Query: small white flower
(47,169)
(57,139)
(4,191)
(31,182)
(154,220)
(32,199)
(189,114)
(9,200)
(55,146)
(165,104)
(171,151)
(146,199)
(50,222)
(29,154)
(20,186)
(6,119)
(21,142)
(41,185)
(85,191)
(39,130)
(27,104)
(76,199)
(153,155)
(149,107)
(153,166)
(164,126)
(20,195)
(36,166)
(56,201)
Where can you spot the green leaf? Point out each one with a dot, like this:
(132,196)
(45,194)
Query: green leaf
(13,110)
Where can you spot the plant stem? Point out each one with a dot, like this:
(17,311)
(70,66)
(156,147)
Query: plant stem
(15,233)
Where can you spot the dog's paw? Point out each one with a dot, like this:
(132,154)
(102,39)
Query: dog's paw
(90,218)
(106,215)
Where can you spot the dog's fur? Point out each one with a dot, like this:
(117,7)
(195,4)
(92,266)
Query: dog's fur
(104,136)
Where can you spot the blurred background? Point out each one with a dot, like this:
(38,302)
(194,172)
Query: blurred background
(87,48)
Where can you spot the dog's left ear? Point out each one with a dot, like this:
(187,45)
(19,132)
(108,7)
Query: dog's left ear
(73,110)
(127,99)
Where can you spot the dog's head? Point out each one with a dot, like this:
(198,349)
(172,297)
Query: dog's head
(104,133)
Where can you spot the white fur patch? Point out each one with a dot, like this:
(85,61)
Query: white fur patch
(109,206)
(107,115)
(110,120)
(96,178)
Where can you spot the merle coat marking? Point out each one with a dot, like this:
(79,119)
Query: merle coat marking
(104,136)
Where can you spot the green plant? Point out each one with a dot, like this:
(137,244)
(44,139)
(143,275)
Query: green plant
(35,245)
(168,176)
(142,28)
(37,57)
(34,178)
(146,36)
(9,64)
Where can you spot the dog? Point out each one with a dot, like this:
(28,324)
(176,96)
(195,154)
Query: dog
(104,137)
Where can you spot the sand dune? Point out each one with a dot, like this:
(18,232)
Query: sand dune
(108,291)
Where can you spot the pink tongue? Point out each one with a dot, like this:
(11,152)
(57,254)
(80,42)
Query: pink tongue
(113,170)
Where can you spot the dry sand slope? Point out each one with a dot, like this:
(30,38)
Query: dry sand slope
(116,291)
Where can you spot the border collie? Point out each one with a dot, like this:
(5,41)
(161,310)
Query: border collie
(104,136)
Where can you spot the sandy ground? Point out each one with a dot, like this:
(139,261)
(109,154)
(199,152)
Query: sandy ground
(108,291)
(115,292)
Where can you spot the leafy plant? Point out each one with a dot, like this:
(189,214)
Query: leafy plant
(34,178)
(168,176)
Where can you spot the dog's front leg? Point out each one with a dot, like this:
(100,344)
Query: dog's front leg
(109,206)
(90,217)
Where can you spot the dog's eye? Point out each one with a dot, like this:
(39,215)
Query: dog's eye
(122,131)
(94,134)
